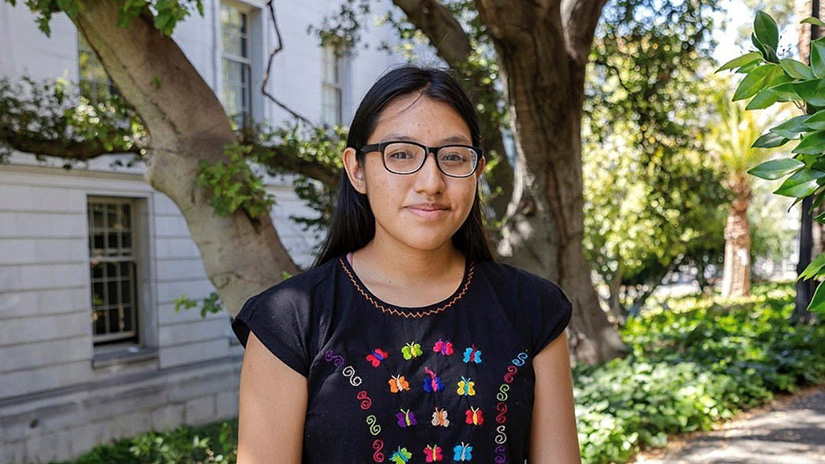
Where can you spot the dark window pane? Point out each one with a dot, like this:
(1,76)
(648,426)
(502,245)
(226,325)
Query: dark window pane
(99,322)
(127,321)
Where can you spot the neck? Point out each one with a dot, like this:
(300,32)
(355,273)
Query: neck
(405,266)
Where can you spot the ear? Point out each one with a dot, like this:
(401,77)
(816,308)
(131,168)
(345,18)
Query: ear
(480,169)
(355,170)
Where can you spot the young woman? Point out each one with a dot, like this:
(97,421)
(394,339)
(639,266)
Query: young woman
(406,341)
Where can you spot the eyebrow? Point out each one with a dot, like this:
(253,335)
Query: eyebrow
(451,139)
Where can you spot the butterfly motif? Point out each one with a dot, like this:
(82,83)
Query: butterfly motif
(433,383)
(472,355)
(398,383)
(411,350)
(445,348)
(474,416)
(440,418)
(433,453)
(406,418)
(377,356)
(462,452)
(466,387)
(400,456)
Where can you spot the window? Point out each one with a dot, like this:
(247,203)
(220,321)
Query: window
(236,91)
(331,93)
(113,271)
(95,84)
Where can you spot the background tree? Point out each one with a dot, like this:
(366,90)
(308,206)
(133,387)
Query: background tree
(732,138)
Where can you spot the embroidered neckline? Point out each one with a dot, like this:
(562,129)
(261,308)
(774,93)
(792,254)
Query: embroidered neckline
(469,269)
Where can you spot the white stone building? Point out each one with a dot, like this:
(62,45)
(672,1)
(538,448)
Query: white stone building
(92,259)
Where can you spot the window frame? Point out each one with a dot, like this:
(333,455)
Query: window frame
(135,336)
(245,62)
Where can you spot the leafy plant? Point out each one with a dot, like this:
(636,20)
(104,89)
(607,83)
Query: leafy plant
(770,79)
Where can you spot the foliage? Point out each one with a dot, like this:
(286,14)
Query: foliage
(212,443)
(694,361)
(644,147)
(233,184)
(55,110)
(769,79)
(165,14)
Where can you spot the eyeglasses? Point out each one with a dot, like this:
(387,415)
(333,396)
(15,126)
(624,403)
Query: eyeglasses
(401,157)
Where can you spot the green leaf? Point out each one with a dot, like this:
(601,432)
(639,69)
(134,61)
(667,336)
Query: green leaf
(801,184)
(769,140)
(796,69)
(741,61)
(776,169)
(768,52)
(754,81)
(766,29)
(762,100)
(791,128)
(811,144)
(785,92)
(816,122)
(818,58)
(813,268)
(812,91)
(812,20)
(820,218)
(817,304)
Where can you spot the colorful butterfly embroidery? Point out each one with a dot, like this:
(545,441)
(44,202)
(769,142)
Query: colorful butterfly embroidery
(400,456)
(433,383)
(440,418)
(377,356)
(406,418)
(463,452)
(466,387)
(433,453)
(472,355)
(474,416)
(398,383)
(445,348)
(411,350)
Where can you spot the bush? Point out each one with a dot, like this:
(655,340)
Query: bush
(212,443)
(693,361)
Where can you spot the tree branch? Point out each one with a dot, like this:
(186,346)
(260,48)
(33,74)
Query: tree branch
(580,18)
(271,6)
(81,150)
(280,158)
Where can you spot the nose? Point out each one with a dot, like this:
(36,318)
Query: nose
(429,179)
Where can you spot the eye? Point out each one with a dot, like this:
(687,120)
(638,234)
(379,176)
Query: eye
(400,154)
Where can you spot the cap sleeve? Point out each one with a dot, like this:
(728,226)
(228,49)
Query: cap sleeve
(548,311)
(281,322)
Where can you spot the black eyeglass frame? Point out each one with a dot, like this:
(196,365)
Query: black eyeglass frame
(381,146)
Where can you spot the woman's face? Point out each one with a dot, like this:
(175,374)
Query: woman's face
(424,209)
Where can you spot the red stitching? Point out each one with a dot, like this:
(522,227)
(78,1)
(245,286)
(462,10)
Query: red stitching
(405,313)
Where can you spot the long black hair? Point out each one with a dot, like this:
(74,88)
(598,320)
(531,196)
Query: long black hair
(353,224)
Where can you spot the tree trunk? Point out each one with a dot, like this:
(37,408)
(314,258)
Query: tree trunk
(186,123)
(736,280)
(542,50)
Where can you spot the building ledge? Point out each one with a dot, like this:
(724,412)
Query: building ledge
(123,355)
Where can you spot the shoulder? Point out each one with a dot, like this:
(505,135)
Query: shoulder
(510,279)
(299,290)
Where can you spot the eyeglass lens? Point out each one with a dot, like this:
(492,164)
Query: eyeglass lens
(404,158)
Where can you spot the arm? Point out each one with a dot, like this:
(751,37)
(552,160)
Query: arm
(272,408)
(553,435)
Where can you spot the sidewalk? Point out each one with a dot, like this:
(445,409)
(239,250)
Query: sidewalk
(791,430)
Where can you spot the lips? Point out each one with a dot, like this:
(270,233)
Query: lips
(428,210)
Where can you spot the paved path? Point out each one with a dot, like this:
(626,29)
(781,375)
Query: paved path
(789,431)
